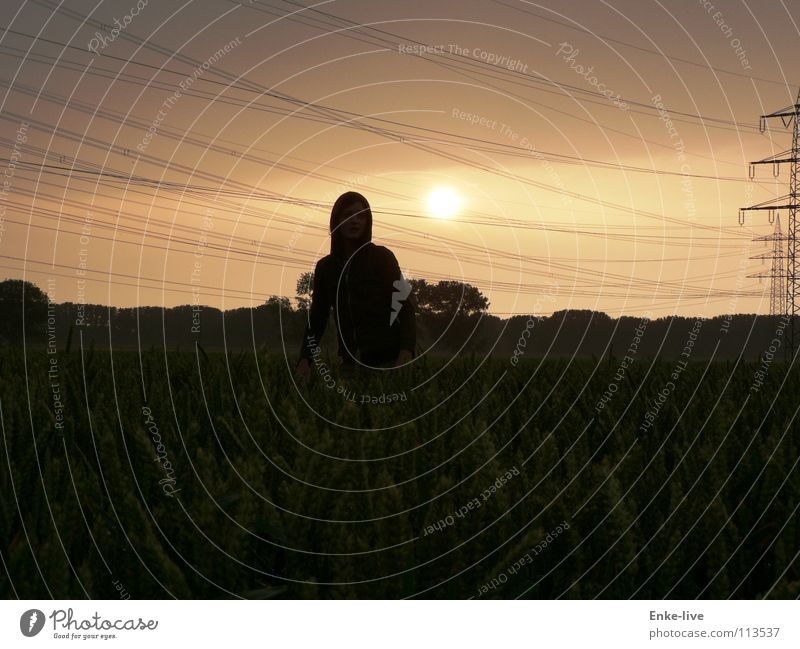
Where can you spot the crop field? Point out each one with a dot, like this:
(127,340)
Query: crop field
(195,475)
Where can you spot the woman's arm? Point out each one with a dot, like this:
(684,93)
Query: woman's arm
(408,324)
(406,317)
(318,313)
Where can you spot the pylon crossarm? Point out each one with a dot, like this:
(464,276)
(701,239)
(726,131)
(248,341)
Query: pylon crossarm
(768,207)
(770,161)
(783,112)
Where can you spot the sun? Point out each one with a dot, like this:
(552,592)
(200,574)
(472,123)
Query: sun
(444,202)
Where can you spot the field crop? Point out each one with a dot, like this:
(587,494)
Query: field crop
(196,475)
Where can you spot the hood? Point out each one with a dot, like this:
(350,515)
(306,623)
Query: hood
(337,245)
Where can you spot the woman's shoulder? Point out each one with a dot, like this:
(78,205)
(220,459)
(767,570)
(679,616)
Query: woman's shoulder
(383,251)
(325,262)
(329,268)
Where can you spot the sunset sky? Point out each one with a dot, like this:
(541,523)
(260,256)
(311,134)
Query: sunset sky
(599,150)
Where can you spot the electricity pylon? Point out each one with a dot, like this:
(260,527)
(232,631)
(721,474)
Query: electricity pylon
(789,117)
(777,274)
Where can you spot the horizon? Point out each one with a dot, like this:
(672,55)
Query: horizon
(295,307)
(549,153)
(492,299)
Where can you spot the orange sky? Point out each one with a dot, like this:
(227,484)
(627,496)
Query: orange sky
(543,116)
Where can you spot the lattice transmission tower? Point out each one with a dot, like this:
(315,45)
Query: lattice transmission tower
(777,272)
(789,118)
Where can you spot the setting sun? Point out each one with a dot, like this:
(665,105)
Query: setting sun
(444,202)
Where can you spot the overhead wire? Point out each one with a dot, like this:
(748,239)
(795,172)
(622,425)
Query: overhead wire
(242,193)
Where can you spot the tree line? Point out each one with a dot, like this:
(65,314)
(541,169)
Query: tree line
(452,319)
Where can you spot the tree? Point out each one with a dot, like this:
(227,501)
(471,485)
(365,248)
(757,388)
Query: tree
(17,295)
(304,285)
(449,298)
(278,300)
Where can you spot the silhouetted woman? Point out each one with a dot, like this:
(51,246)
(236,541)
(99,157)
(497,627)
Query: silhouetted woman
(374,307)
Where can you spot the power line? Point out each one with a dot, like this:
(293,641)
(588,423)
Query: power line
(280,261)
(249,192)
(496,71)
(166,185)
(499,148)
(659,53)
(516,224)
(234,81)
(558,158)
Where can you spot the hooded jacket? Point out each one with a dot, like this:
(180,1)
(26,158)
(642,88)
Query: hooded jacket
(361,290)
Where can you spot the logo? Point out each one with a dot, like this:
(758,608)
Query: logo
(31,622)
(402,289)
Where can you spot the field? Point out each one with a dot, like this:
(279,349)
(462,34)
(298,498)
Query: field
(195,475)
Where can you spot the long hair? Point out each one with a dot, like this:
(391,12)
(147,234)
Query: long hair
(345,200)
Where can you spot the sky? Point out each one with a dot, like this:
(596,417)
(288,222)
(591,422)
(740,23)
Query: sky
(168,153)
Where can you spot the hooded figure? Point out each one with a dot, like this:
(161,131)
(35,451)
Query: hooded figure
(373,305)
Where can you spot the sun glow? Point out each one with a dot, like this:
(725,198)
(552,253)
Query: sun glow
(443,202)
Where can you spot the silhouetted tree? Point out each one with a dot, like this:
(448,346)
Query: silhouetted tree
(449,298)
(17,295)
(280,301)
(304,285)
